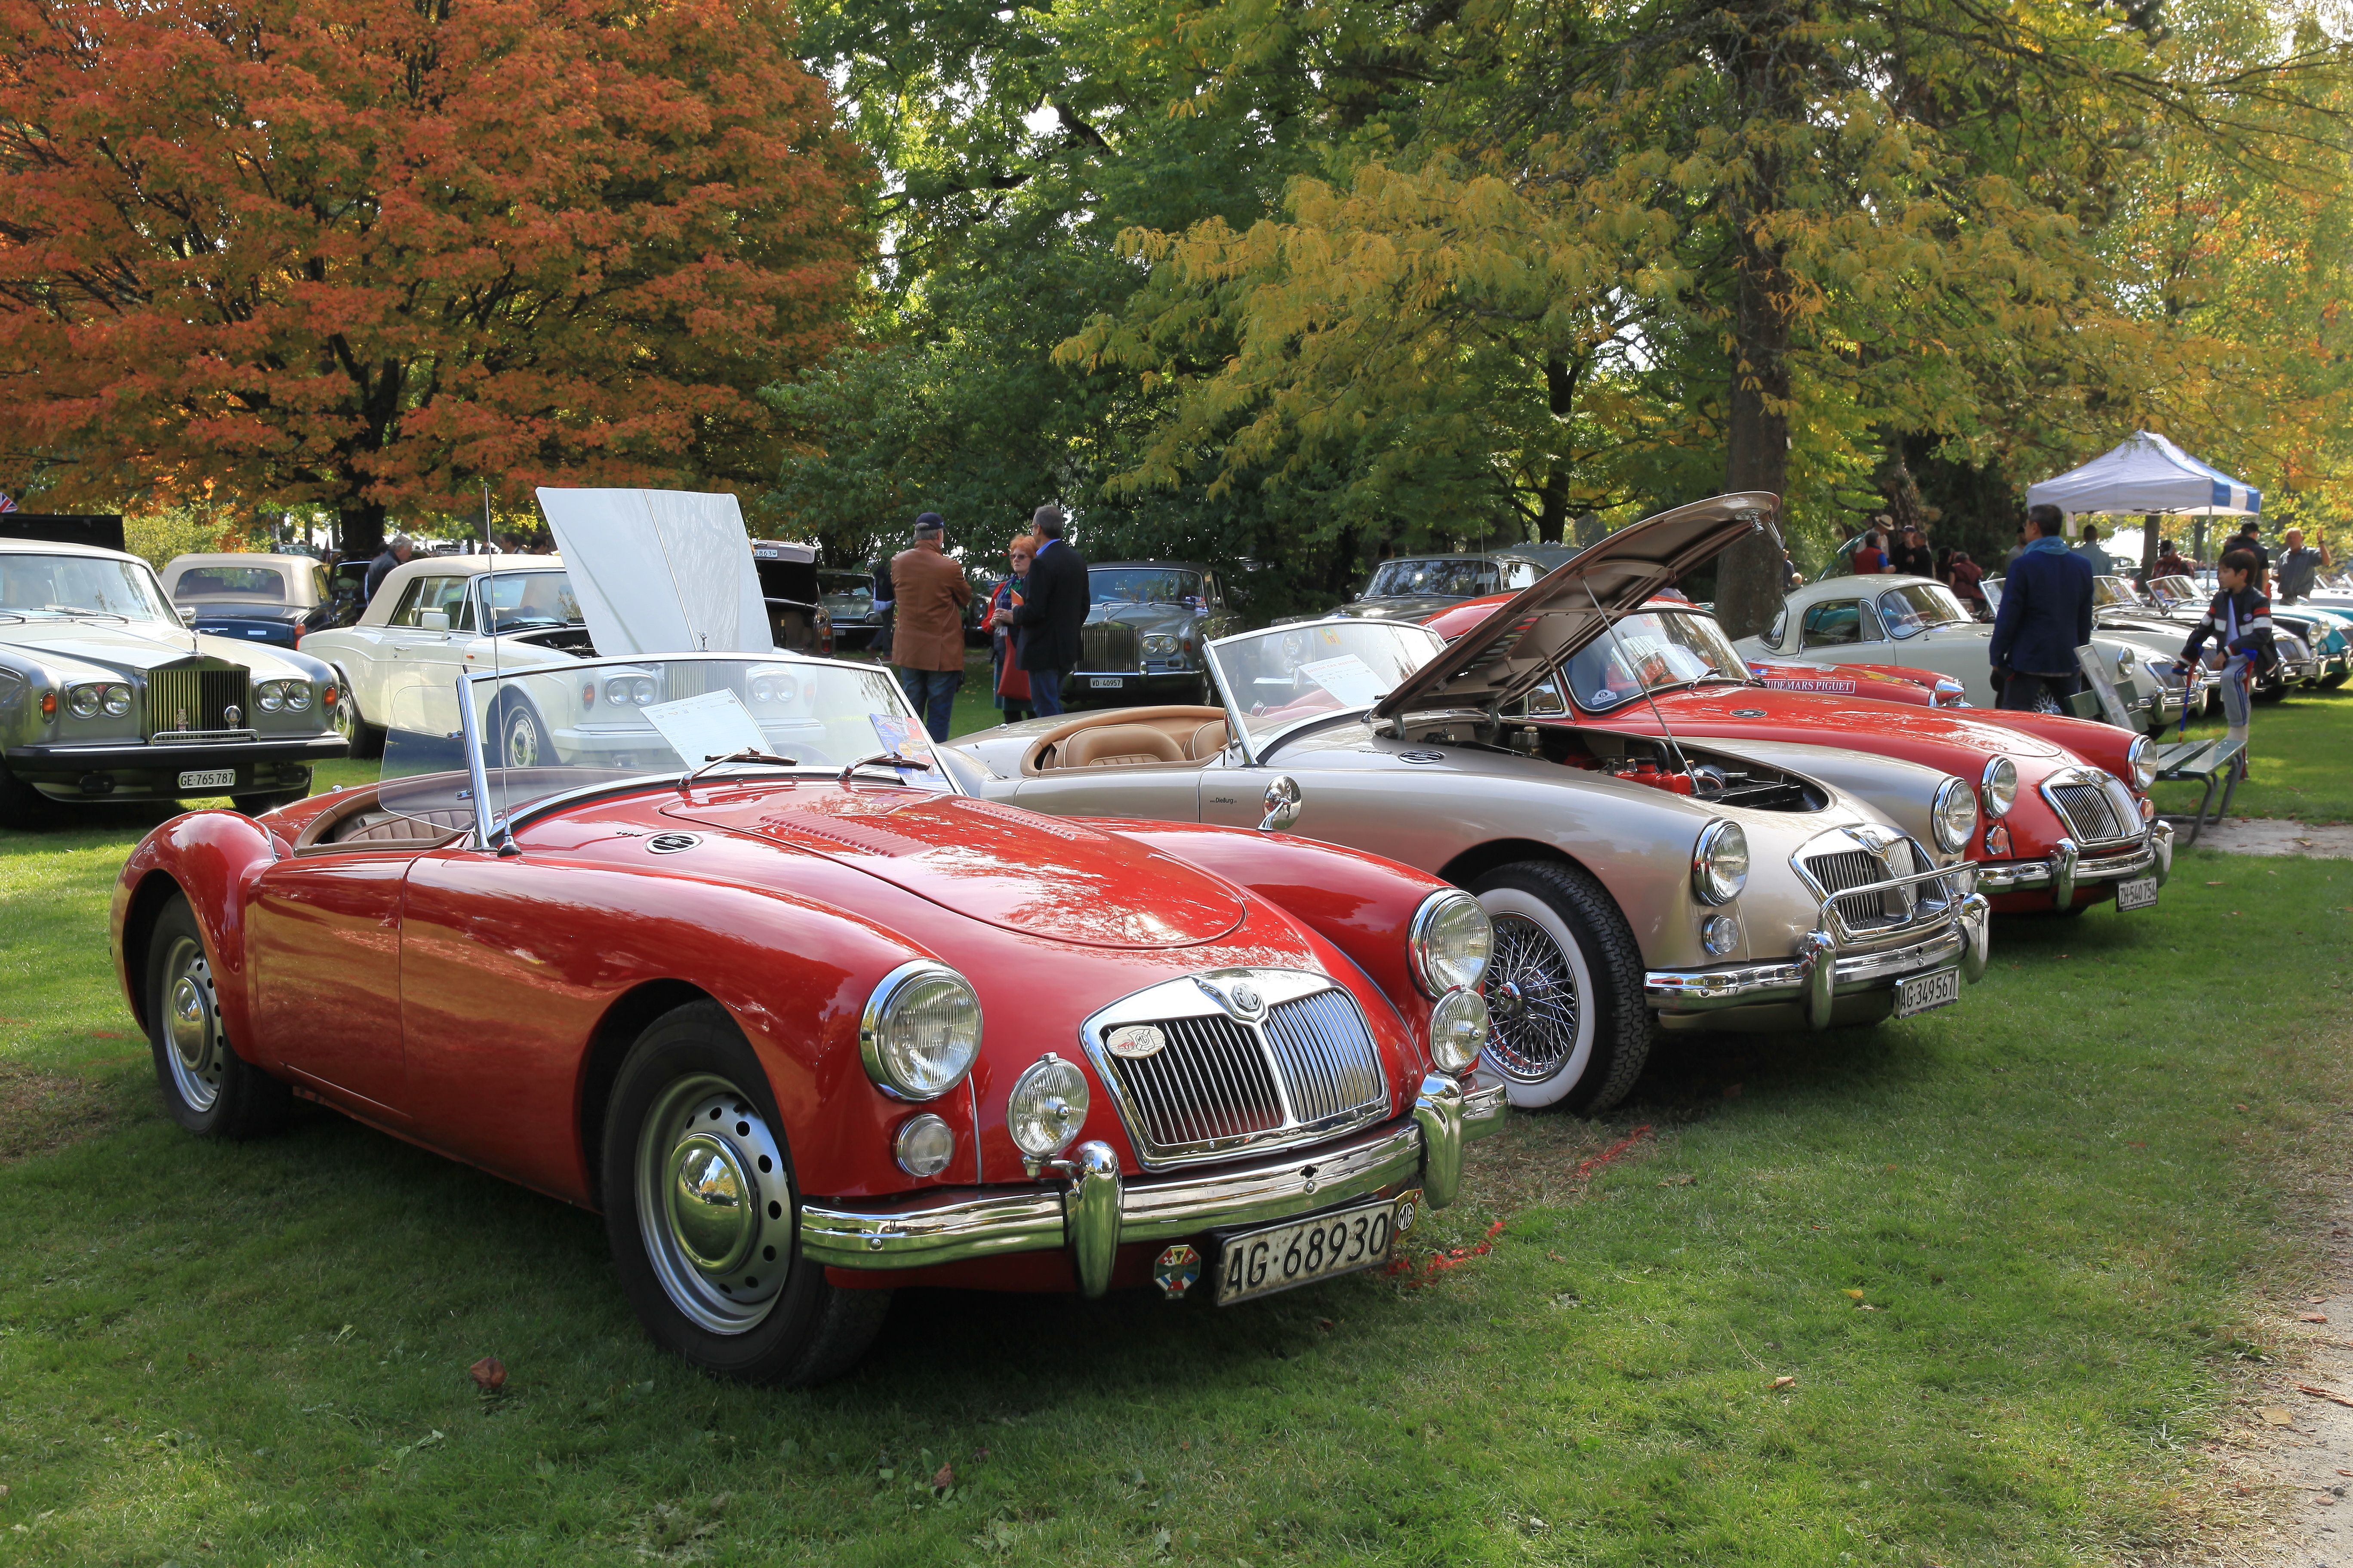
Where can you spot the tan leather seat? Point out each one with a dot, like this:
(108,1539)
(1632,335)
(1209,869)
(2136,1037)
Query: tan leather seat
(1117,745)
(423,827)
(1208,741)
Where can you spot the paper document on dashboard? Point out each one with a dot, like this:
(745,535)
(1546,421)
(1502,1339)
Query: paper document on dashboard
(1348,678)
(715,724)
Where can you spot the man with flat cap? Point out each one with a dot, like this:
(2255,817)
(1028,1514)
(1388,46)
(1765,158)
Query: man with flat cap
(929,592)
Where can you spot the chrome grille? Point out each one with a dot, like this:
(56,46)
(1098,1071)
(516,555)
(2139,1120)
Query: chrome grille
(1108,645)
(204,695)
(2093,812)
(1326,1057)
(1233,1076)
(1209,1083)
(1847,868)
(1836,871)
(682,679)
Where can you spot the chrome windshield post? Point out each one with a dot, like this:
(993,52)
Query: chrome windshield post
(469,735)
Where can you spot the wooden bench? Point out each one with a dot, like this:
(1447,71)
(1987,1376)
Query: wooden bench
(2217,764)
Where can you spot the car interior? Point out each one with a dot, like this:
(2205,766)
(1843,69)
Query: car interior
(1185,737)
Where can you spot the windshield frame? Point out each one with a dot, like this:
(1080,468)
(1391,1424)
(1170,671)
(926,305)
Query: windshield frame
(484,835)
(1575,707)
(1920,624)
(1256,748)
(486,613)
(1196,600)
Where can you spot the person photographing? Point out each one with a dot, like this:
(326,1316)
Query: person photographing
(2239,622)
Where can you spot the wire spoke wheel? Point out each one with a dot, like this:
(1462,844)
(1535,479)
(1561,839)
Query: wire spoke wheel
(1533,994)
(715,1206)
(198,1054)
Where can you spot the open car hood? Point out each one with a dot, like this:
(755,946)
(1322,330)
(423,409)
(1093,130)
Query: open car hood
(659,571)
(1503,656)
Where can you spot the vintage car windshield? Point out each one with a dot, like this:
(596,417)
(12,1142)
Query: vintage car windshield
(848,595)
(2116,594)
(1914,607)
(1651,652)
(230,582)
(1274,678)
(81,584)
(519,601)
(2171,591)
(1143,585)
(549,731)
(1446,578)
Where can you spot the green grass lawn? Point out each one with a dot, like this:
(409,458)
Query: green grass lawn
(2302,748)
(2012,1254)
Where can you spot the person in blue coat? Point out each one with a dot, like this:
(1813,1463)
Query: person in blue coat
(2045,615)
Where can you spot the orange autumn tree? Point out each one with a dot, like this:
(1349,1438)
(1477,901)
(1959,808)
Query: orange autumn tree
(363,255)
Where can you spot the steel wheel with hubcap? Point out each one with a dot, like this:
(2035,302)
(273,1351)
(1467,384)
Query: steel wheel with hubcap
(209,1089)
(699,1210)
(363,738)
(1564,988)
(522,740)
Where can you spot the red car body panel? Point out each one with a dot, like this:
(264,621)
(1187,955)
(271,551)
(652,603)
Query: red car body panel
(461,999)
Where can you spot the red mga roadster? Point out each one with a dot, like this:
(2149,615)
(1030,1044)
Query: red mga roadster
(714,958)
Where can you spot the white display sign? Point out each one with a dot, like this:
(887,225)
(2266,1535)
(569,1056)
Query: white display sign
(714,724)
(1349,679)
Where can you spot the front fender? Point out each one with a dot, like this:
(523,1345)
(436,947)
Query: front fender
(212,858)
(1903,793)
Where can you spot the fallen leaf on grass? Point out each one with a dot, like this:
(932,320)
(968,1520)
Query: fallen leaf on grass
(2312,1318)
(489,1373)
(2214,884)
(1785,1382)
(1679,1181)
(943,1477)
(2330,1394)
(1856,1294)
(2273,1415)
(107,1035)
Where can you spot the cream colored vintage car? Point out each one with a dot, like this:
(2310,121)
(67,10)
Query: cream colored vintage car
(1633,883)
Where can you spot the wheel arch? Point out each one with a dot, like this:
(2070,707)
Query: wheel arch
(140,910)
(628,1017)
(1475,862)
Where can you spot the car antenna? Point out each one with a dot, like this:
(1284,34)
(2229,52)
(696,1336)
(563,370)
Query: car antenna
(507,845)
(1627,659)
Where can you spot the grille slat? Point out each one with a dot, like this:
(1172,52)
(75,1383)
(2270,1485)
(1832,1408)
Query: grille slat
(204,695)
(1219,1080)
(2091,817)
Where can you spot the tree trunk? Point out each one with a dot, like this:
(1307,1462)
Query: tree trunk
(2147,546)
(362,529)
(1750,580)
(1560,397)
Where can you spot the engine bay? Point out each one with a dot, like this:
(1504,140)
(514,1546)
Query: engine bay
(1679,769)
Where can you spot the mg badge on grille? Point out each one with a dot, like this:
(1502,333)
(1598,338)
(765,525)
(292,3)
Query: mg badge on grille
(234,714)
(1246,997)
(1134,1041)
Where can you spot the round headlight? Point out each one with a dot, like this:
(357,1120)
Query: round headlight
(270,697)
(83,702)
(297,695)
(2143,759)
(1047,1107)
(117,701)
(924,1146)
(921,1031)
(1720,862)
(1998,785)
(1458,1030)
(2124,663)
(1954,816)
(1720,936)
(1158,644)
(1449,942)
(764,690)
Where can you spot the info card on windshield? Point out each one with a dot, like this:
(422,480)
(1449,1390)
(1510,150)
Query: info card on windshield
(1349,679)
(714,724)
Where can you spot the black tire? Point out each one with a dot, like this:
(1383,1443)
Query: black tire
(207,1088)
(520,738)
(691,1078)
(2276,692)
(22,805)
(1571,1027)
(365,738)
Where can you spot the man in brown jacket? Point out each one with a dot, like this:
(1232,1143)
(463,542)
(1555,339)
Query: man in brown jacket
(929,592)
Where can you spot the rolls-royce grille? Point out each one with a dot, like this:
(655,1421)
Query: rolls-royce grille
(1218,1081)
(2094,814)
(682,679)
(1210,1082)
(1108,645)
(1326,1057)
(189,696)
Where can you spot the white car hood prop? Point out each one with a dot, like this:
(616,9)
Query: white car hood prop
(659,571)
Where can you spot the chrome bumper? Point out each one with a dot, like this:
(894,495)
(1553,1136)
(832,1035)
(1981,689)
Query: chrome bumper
(1825,969)
(1098,1210)
(2068,868)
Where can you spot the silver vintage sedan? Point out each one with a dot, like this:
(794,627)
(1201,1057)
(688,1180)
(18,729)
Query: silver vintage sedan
(1634,883)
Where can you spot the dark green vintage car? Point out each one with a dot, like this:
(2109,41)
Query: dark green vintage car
(1146,623)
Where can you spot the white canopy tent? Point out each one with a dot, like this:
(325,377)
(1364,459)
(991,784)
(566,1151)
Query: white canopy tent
(2148,474)
(659,571)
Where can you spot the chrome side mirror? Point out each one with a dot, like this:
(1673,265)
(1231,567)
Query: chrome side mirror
(1283,804)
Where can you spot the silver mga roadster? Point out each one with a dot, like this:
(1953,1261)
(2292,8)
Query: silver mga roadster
(105,694)
(1634,883)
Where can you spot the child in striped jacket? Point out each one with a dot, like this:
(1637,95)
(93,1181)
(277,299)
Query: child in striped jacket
(2239,622)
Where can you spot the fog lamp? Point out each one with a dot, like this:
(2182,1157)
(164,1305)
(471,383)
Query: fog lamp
(1458,1029)
(924,1146)
(1721,934)
(1047,1107)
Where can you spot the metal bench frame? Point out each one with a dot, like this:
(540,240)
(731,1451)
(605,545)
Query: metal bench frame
(2216,763)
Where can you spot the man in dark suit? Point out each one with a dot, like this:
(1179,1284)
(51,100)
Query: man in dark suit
(2045,615)
(1053,607)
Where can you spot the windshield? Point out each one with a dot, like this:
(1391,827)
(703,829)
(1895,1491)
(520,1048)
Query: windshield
(2171,591)
(81,585)
(1440,579)
(848,595)
(2115,592)
(521,600)
(1917,606)
(1143,585)
(1651,652)
(548,731)
(230,582)
(1273,678)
